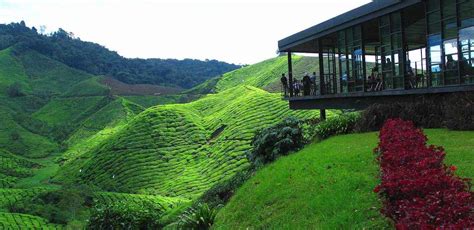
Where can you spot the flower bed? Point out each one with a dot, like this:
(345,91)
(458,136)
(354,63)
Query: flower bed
(418,190)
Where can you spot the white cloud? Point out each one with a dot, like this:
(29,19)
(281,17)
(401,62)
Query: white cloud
(243,31)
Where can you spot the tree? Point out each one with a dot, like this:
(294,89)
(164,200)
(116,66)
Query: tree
(15,136)
(14,90)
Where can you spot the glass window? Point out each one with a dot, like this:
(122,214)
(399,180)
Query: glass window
(434,17)
(386,41)
(466,65)
(434,28)
(433,5)
(385,20)
(396,22)
(466,13)
(396,62)
(434,62)
(349,36)
(451,61)
(451,47)
(450,29)
(357,33)
(449,8)
(434,42)
(385,30)
(397,41)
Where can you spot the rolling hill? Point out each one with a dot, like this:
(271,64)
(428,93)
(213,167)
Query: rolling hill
(130,142)
(182,150)
(54,115)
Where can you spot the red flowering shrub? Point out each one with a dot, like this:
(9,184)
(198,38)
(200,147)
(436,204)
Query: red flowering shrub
(419,191)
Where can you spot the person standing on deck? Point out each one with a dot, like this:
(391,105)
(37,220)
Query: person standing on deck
(313,83)
(306,85)
(284,84)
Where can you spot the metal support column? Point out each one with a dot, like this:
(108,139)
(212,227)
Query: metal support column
(290,75)
(322,87)
(322,114)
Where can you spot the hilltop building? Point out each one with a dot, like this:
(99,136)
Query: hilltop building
(385,51)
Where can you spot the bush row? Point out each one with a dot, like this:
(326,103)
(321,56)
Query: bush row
(341,124)
(455,111)
(418,190)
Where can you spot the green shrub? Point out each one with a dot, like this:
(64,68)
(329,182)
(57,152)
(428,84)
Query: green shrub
(453,111)
(459,112)
(125,215)
(272,142)
(425,113)
(14,90)
(200,218)
(337,125)
(58,206)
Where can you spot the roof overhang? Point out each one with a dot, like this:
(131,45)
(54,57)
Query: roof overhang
(306,40)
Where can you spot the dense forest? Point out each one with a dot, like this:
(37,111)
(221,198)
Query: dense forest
(93,58)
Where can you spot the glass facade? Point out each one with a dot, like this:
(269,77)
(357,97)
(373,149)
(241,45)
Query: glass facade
(450,33)
(350,58)
(466,41)
(391,51)
(405,49)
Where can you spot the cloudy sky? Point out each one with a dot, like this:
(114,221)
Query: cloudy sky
(237,31)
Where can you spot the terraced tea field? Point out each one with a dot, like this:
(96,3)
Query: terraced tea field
(24,221)
(182,150)
(266,75)
(160,203)
(10,196)
(70,127)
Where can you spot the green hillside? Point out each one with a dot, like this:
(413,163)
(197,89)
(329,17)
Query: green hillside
(66,127)
(11,72)
(182,150)
(69,128)
(327,185)
(57,114)
(266,74)
(19,140)
(13,168)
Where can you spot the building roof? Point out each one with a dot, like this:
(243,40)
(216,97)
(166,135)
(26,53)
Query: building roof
(369,11)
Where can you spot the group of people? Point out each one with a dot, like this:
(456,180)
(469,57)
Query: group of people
(374,82)
(305,87)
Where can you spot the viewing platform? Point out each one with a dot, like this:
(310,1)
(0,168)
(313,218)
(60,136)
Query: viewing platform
(384,52)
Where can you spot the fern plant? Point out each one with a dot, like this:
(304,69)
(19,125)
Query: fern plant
(200,218)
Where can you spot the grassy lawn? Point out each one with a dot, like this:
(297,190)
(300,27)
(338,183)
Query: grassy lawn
(327,185)
(459,148)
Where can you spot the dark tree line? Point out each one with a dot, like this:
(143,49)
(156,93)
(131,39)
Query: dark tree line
(96,59)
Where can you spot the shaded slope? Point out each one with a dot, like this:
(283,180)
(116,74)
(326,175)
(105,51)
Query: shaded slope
(327,185)
(21,141)
(13,168)
(47,76)
(168,150)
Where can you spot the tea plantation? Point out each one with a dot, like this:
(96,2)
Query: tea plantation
(182,150)
(63,126)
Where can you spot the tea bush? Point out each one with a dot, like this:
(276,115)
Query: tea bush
(337,125)
(272,142)
(124,215)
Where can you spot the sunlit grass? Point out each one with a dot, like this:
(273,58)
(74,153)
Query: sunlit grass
(328,185)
